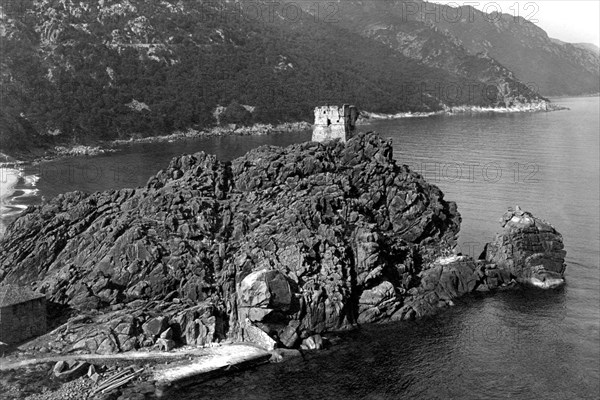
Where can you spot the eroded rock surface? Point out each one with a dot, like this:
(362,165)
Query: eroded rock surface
(291,241)
(529,249)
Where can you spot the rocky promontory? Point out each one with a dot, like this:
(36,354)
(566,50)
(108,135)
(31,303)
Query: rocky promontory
(275,247)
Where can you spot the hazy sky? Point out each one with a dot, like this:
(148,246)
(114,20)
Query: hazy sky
(569,21)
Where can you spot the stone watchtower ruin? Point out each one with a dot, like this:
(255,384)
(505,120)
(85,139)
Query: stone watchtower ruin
(334,122)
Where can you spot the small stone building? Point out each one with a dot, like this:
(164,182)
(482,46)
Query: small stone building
(333,122)
(22,314)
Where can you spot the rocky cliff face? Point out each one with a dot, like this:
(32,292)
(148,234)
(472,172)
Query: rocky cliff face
(337,234)
(277,245)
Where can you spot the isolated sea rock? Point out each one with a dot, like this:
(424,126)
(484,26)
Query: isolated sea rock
(529,249)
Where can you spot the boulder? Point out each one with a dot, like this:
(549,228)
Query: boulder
(267,289)
(528,249)
(382,292)
(314,342)
(155,326)
(167,334)
(198,325)
(59,367)
(165,344)
(92,374)
(257,336)
(70,371)
(289,335)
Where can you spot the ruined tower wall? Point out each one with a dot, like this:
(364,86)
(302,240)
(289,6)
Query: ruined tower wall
(333,122)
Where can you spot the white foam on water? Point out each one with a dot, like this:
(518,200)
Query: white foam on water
(26,193)
(8,179)
(31,179)
(11,210)
(549,283)
(14,188)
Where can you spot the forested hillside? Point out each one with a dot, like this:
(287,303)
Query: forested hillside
(87,71)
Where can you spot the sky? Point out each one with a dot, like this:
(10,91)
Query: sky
(569,21)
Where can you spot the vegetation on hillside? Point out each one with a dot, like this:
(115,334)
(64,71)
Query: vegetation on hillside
(82,72)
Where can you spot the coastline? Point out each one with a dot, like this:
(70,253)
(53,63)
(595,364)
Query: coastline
(567,96)
(464,109)
(8,179)
(158,372)
(104,147)
(256,129)
(12,166)
(14,184)
(366,116)
(541,106)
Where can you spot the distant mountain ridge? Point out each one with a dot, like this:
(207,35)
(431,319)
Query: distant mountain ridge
(588,46)
(554,67)
(77,71)
(446,36)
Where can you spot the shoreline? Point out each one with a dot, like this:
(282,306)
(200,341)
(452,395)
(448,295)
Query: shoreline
(110,146)
(12,180)
(366,116)
(158,372)
(11,164)
(8,180)
(232,130)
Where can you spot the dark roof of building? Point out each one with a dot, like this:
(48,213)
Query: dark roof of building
(14,294)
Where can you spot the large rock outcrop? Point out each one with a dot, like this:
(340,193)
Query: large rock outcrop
(295,240)
(285,242)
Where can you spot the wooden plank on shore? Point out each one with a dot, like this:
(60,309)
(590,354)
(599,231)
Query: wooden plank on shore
(117,380)
(115,377)
(220,360)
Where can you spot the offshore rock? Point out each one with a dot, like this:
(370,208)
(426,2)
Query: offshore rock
(529,249)
(293,241)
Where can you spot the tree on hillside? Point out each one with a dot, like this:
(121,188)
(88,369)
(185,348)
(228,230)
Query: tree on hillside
(235,113)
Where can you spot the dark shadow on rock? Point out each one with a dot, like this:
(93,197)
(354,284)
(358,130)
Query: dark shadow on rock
(57,314)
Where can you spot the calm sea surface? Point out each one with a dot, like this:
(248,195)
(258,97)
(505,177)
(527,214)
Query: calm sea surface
(518,344)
